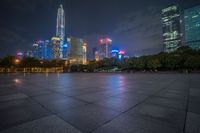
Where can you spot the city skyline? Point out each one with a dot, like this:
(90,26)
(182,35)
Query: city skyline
(131,42)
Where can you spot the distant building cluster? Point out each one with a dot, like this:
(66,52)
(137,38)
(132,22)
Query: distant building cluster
(105,50)
(71,49)
(180,27)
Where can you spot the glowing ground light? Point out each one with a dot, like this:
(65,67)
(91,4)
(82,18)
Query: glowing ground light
(17,82)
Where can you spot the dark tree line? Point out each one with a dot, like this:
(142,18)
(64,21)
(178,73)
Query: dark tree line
(183,59)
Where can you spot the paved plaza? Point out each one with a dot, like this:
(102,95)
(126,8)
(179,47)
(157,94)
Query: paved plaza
(99,103)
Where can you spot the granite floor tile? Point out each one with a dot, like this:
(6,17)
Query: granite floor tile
(49,124)
(192,123)
(134,124)
(171,117)
(89,117)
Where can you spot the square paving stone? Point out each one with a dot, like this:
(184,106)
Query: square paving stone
(134,124)
(20,112)
(49,124)
(13,97)
(8,91)
(173,95)
(132,96)
(89,117)
(194,107)
(171,103)
(172,117)
(71,92)
(118,104)
(93,97)
(36,92)
(9,105)
(192,123)
(58,103)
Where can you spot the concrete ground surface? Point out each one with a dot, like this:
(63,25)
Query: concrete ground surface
(99,103)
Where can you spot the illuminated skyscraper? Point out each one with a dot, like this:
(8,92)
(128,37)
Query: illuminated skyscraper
(105,51)
(55,47)
(192,27)
(48,49)
(39,49)
(171,24)
(77,50)
(60,28)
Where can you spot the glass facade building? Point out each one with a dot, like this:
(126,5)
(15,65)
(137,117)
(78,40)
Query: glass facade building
(77,50)
(192,27)
(171,25)
(55,47)
(48,50)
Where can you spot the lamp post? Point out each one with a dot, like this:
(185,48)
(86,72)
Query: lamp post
(17,61)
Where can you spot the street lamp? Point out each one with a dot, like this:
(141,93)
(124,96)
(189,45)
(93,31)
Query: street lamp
(17,61)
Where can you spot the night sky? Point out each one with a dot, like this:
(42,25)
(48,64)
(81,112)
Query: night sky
(134,25)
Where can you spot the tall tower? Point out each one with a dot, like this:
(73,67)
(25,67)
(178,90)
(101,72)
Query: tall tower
(60,28)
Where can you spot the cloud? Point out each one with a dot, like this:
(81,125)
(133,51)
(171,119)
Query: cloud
(21,5)
(11,41)
(140,32)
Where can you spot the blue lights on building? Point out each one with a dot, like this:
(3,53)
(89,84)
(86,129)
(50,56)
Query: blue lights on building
(119,54)
(42,50)
(114,51)
(120,57)
(65,50)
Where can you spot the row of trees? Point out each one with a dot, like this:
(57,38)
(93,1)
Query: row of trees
(184,58)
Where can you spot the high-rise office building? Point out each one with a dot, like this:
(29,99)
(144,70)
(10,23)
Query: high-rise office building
(84,52)
(97,56)
(105,44)
(35,49)
(19,54)
(77,50)
(48,50)
(28,53)
(55,47)
(94,50)
(60,29)
(192,27)
(39,50)
(171,25)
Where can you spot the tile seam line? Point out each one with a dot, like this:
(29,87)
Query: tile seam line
(152,95)
(187,106)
